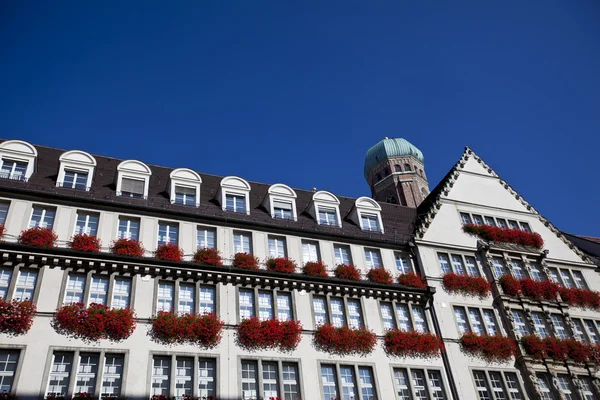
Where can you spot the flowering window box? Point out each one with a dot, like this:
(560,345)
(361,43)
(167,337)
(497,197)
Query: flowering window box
(245,261)
(561,349)
(1,237)
(349,272)
(542,290)
(505,235)
(470,286)
(84,242)
(128,247)
(208,257)
(315,268)
(398,343)
(492,349)
(380,275)
(281,264)
(16,317)
(582,298)
(412,280)
(202,330)
(94,322)
(344,341)
(169,252)
(254,334)
(38,237)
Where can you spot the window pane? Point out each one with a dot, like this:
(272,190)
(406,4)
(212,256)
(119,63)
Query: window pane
(129,228)
(342,255)
(517,269)
(402,263)
(472,268)
(87,371)
(366,383)
(348,383)
(42,217)
(246,304)
(419,385)
(8,366)
(206,238)
(167,233)
(185,195)
(86,223)
(369,222)
(559,326)
(290,381)
(277,247)
(161,375)
(512,383)
(338,318)
(320,310)
(270,380)
(58,381)
(5,277)
(98,290)
(112,375)
(403,317)
(165,297)
(520,323)
(457,264)
(498,267)
(249,380)
(490,221)
(465,218)
(207,300)
(579,281)
(187,294)
(481,385)
(75,180)
(435,382)
(310,252)
(373,258)
(419,319)
(206,378)
(387,316)
(444,263)
(477,219)
(284,306)
(265,306)
(475,320)
(121,292)
(25,285)
(329,382)
(401,382)
(3,212)
(354,314)
(235,203)
(327,216)
(132,187)
(183,376)
(539,324)
(490,322)
(461,320)
(75,289)
(241,243)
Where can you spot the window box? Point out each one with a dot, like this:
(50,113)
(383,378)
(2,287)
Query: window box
(208,257)
(398,343)
(561,349)
(84,242)
(38,237)
(412,280)
(465,285)
(16,317)
(94,322)
(490,348)
(505,235)
(344,340)
(380,275)
(349,272)
(128,247)
(582,298)
(315,268)
(202,330)
(169,252)
(281,264)
(83,396)
(254,334)
(542,290)
(245,261)
(1,232)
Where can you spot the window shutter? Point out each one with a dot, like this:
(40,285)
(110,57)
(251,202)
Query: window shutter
(132,186)
(282,204)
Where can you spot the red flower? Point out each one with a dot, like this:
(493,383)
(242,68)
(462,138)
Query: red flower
(345,340)
(201,330)
(94,322)
(543,290)
(380,275)
(415,344)
(281,264)
(208,257)
(510,285)
(350,272)
(38,237)
(85,242)
(315,268)
(169,252)
(127,247)
(245,261)
(466,285)
(496,348)
(254,334)
(505,235)
(582,298)
(2,231)
(16,317)
(412,280)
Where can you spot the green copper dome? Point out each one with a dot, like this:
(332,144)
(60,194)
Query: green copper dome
(389,148)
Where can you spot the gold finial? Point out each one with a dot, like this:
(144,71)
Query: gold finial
(385,138)
(314,190)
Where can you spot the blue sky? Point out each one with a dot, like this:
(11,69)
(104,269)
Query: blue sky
(297,92)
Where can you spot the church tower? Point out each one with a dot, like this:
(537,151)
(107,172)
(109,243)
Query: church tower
(395,172)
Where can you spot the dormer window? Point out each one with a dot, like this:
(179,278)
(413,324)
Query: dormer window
(133,179)
(133,188)
(235,203)
(367,215)
(369,222)
(326,209)
(185,187)
(234,195)
(13,169)
(327,216)
(75,180)
(17,160)
(76,170)
(281,202)
(283,210)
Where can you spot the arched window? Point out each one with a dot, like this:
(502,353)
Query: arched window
(185,187)
(326,209)
(235,195)
(407,167)
(17,160)
(281,202)
(76,170)
(397,168)
(133,178)
(368,214)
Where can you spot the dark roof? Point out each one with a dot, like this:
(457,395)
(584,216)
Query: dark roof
(590,246)
(398,221)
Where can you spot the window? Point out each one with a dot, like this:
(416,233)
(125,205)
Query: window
(405,317)
(234,194)
(310,251)
(5,277)
(591,331)
(477,219)
(87,370)
(328,216)
(87,223)
(185,196)
(242,242)
(525,226)
(444,264)
(283,210)
(517,269)
(183,376)
(246,304)
(3,212)
(502,223)
(279,380)
(564,385)
(13,169)
(544,385)
(539,324)
(184,185)
(235,203)
(76,170)
(407,167)
(349,385)
(42,217)
(98,290)
(461,265)
(60,373)
(161,375)
(277,247)
(75,289)
(8,366)
(342,254)
(135,188)
(281,202)
(472,268)
(578,331)
(586,388)
(490,221)
(402,263)
(265,305)
(206,238)
(25,286)
(498,267)
(504,385)
(465,218)
(535,272)
(520,323)
(470,320)
(121,293)
(187,302)
(457,265)
(566,278)
(129,228)
(558,322)
(167,233)
(422,384)
(579,281)
(269,303)
(397,168)
(338,311)
(75,180)
(164,301)
(207,300)
(206,378)
(133,178)
(369,222)
(373,258)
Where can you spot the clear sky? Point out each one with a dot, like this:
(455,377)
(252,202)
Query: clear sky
(296,92)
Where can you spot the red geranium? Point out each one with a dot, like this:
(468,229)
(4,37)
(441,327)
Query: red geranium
(505,235)
(208,257)
(350,272)
(466,285)
(345,340)
(582,298)
(169,252)
(412,280)
(85,242)
(398,343)
(542,290)
(510,285)
(315,268)
(380,275)
(127,247)
(2,231)
(16,317)
(38,237)
(201,330)
(495,348)
(245,261)
(254,334)
(281,264)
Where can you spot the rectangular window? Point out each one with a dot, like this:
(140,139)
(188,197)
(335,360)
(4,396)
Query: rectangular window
(517,269)
(482,386)
(457,265)
(207,300)
(87,223)
(512,383)
(206,238)
(235,203)
(320,310)
(187,294)
(206,378)
(290,381)
(133,188)
(477,220)
(249,380)
(586,388)
(167,233)
(338,317)
(565,387)
(579,281)
(112,375)
(270,380)
(419,321)
(25,285)
(183,376)
(520,323)
(444,263)
(591,331)
(387,315)
(164,301)
(536,274)
(373,258)
(578,331)
(566,278)
(553,275)
(13,169)
(435,382)
(328,216)
(544,384)
(277,246)
(502,223)
(472,268)
(87,371)
(60,373)
(513,224)
(242,243)
(5,277)
(161,375)
(475,320)
(498,267)
(8,366)
(354,314)
(310,251)
(403,391)
(284,306)
(329,382)
(265,306)
(75,289)
(282,210)
(465,218)
(98,290)
(539,324)
(129,228)
(348,383)
(246,304)
(369,222)
(490,221)
(490,322)
(42,217)
(402,263)
(75,180)
(3,212)
(461,320)
(559,326)
(403,316)
(504,385)
(525,226)
(185,196)
(121,293)
(342,254)
(420,385)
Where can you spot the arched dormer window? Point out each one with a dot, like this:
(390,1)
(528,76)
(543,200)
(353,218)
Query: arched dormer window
(234,195)
(76,170)
(367,214)
(407,167)
(17,160)
(184,187)
(133,179)
(397,168)
(326,209)
(281,202)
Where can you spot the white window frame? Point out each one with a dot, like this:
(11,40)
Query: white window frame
(345,314)
(357,384)
(411,390)
(338,248)
(369,260)
(463,258)
(127,232)
(326,200)
(187,178)
(234,186)
(307,249)
(87,214)
(366,207)
(170,226)
(242,234)
(45,210)
(203,231)
(133,169)
(284,194)
(78,162)
(8,357)
(20,151)
(276,246)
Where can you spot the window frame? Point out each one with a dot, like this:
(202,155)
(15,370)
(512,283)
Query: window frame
(20,151)
(258,360)
(277,241)
(88,214)
(283,194)
(20,349)
(409,368)
(411,314)
(112,277)
(508,221)
(175,300)
(326,200)
(356,366)
(505,387)
(256,302)
(129,219)
(242,234)
(463,257)
(136,170)
(197,357)
(234,186)
(205,228)
(11,288)
(45,210)
(481,313)
(169,225)
(78,162)
(186,178)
